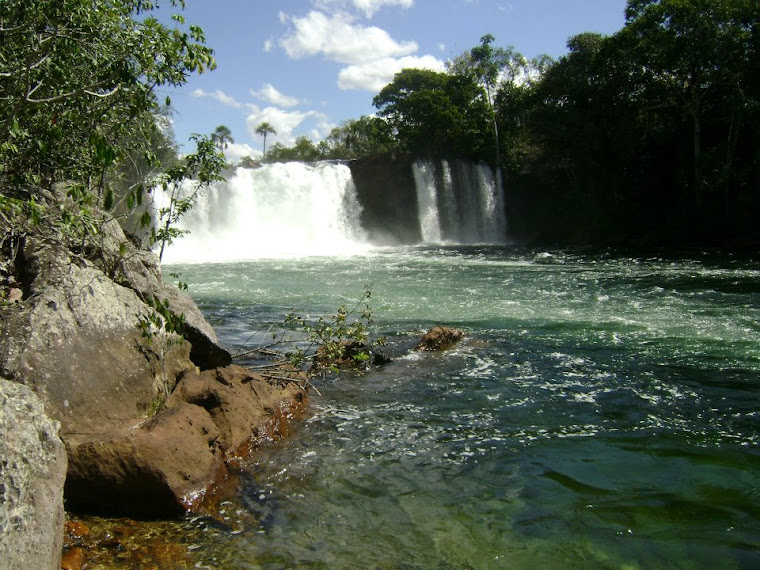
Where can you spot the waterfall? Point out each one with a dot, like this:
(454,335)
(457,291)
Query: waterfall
(460,203)
(278,210)
(427,201)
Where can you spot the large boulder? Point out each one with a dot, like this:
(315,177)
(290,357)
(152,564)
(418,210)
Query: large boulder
(32,474)
(83,333)
(75,341)
(167,464)
(140,270)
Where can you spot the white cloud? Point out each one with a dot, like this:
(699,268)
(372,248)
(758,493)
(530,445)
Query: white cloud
(367,7)
(283,121)
(337,38)
(220,96)
(270,94)
(268,45)
(235,151)
(375,75)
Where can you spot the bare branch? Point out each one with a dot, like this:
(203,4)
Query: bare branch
(103,95)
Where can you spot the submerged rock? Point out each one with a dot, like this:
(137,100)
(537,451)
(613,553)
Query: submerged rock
(439,338)
(32,472)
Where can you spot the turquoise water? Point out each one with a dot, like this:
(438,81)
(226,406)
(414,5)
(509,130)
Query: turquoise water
(603,412)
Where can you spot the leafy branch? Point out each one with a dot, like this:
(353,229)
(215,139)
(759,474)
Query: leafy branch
(203,167)
(328,343)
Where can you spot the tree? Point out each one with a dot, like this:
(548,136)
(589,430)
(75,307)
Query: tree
(222,137)
(78,83)
(364,136)
(490,66)
(78,104)
(203,167)
(265,129)
(695,54)
(435,114)
(304,150)
(247,162)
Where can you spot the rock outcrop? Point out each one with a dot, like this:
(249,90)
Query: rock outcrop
(74,339)
(388,195)
(32,472)
(83,333)
(167,464)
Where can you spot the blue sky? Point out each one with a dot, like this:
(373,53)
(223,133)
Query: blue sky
(307,65)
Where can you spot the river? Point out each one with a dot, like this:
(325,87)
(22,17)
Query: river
(601,413)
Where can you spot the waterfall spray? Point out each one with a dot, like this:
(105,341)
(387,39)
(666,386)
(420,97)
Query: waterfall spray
(278,210)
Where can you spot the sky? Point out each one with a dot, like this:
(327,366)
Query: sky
(305,66)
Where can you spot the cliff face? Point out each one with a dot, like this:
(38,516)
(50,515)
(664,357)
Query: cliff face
(387,193)
(74,327)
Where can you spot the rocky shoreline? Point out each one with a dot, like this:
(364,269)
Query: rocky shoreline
(80,385)
(106,414)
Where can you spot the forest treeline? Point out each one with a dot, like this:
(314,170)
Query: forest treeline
(649,134)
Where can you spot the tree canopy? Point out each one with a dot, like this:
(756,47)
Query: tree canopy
(222,137)
(653,125)
(433,113)
(78,103)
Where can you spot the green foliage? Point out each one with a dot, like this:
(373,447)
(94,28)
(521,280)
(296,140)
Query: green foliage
(265,129)
(78,81)
(222,137)
(436,114)
(303,150)
(78,106)
(365,136)
(644,129)
(181,285)
(335,340)
(248,162)
(329,342)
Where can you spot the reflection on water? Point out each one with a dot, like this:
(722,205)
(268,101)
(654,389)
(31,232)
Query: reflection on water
(602,413)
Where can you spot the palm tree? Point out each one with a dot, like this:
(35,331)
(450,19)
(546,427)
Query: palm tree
(264,129)
(222,137)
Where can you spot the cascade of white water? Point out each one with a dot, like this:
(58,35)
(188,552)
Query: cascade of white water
(427,201)
(470,214)
(448,203)
(468,208)
(278,210)
(491,202)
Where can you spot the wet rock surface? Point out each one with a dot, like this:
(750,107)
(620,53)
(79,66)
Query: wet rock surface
(161,467)
(439,338)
